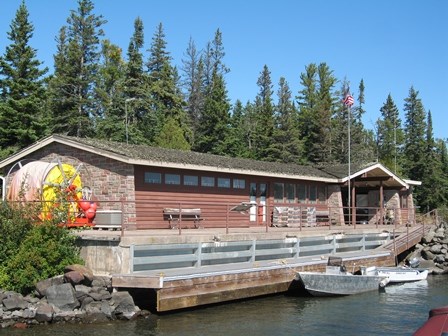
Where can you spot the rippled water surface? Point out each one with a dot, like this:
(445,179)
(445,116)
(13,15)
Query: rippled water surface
(400,310)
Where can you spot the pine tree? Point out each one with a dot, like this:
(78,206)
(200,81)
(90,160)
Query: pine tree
(76,66)
(135,100)
(238,134)
(193,83)
(287,146)
(213,130)
(415,143)
(265,123)
(390,136)
(307,100)
(165,96)
(22,90)
(110,123)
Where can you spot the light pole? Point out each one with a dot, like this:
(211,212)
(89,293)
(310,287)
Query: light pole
(126,115)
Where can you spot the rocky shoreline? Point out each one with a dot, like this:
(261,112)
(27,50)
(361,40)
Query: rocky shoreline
(77,296)
(432,251)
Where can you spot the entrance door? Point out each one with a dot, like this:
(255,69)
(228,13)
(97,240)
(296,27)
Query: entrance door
(258,195)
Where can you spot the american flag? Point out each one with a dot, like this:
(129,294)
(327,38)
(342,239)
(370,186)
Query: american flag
(348,100)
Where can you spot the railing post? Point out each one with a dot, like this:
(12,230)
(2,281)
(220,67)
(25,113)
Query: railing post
(227,219)
(131,252)
(180,219)
(254,247)
(268,216)
(199,255)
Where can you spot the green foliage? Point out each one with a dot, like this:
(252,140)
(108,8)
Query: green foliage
(31,252)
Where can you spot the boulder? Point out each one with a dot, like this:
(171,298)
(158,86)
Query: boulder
(123,305)
(62,296)
(15,302)
(436,248)
(44,313)
(41,286)
(102,281)
(427,238)
(428,255)
(85,271)
(73,277)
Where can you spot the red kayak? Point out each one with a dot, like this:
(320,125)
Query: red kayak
(436,325)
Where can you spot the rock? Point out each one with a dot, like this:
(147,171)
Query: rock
(427,238)
(439,259)
(62,296)
(85,271)
(29,313)
(20,325)
(44,313)
(73,277)
(436,248)
(123,305)
(428,255)
(42,286)
(94,313)
(102,281)
(86,302)
(15,302)
(100,296)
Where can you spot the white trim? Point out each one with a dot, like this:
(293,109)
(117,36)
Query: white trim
(413,182)
(383,168)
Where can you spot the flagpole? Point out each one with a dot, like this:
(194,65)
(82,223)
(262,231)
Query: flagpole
(349,169)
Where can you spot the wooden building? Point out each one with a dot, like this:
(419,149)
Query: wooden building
(148,185)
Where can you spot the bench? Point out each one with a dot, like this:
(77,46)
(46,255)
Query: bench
(322,217)
(174,216)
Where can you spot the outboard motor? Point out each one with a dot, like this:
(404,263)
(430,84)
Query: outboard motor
(414,262)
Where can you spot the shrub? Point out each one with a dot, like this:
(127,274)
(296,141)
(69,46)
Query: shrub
(43,253)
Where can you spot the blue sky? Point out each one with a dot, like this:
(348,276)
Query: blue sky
(390,44)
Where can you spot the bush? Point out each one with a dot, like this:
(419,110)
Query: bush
(31,251)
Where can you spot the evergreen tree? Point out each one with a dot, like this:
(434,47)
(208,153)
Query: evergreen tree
(237,138)
(171,136)
(415,142)
(165,95)
(390,136)
(108,94)
(193,83)
(307,101)
(434,183)
(76,66)
(135,100)
(263,137)
(22,90)
(213,131)
(287,146)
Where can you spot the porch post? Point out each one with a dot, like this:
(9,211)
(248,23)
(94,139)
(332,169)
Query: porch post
(381,203)
(353,205)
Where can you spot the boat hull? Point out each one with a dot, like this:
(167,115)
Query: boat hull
(399,274)
(323,284)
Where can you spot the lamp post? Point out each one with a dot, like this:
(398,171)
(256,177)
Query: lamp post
(126,116)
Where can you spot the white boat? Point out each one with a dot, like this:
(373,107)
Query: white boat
(398,274)
(337,281)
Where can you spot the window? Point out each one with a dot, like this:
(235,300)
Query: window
(301,193)
(313,194)
(153,178)
(191,180)
(172,179)
(322,194)
(278,192)
(207,181)
(289,193)
(239,184)
(223,182)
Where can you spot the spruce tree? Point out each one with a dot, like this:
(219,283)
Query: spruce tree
(76,66)
(165,95)
(22,90)
(390,136)
(213,130)
(193,84)
(265,123)
(287,146)
(415,139)
(307,101)
(110,123)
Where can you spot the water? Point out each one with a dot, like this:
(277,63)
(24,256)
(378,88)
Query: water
(400,310)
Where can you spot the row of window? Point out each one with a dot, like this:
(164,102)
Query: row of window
(194,180)
(299,193)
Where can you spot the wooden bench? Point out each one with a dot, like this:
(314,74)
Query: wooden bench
(322,217)
(174,216)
